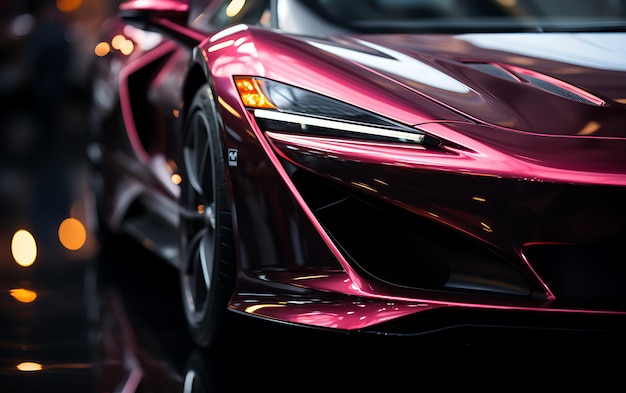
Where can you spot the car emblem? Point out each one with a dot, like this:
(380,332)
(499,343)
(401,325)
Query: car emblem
(232,157)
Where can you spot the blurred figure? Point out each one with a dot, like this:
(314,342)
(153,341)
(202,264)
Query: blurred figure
(48,59)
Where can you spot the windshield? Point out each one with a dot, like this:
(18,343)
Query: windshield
(459,16)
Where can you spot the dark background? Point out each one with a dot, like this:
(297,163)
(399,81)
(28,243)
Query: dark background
(109,319)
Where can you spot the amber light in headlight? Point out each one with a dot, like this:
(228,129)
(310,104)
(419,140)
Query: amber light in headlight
(252,94)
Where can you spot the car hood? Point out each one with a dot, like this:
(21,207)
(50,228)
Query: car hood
(545,83)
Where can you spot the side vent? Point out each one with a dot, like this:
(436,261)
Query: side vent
(540,81)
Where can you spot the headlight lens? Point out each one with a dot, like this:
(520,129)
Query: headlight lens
(284,108)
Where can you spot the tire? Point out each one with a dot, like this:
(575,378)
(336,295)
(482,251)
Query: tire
(207,269)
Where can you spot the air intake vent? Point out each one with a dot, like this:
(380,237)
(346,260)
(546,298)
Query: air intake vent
(495,70)
(541,81)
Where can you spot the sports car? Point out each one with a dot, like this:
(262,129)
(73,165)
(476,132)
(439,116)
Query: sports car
(391,167)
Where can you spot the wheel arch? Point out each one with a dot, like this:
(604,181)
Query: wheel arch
(197,75)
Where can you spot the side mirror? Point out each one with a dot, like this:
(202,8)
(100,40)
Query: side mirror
(168,17)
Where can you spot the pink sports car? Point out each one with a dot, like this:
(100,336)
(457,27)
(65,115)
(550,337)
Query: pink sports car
(375,166)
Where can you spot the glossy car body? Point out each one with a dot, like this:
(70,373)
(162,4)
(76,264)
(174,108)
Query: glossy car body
(390,174)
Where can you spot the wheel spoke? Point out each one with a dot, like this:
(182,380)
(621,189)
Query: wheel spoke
(192,253)
(206,258)
(196,161)
(197,281)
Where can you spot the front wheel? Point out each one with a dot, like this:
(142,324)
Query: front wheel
(207,269)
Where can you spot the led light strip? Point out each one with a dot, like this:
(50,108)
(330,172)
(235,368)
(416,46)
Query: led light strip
(337,125)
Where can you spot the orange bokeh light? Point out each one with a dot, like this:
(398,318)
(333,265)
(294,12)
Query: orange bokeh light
(69,5)
(72,234)
(23,295)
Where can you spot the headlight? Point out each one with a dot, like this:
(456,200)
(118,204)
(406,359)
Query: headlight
(284,108)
